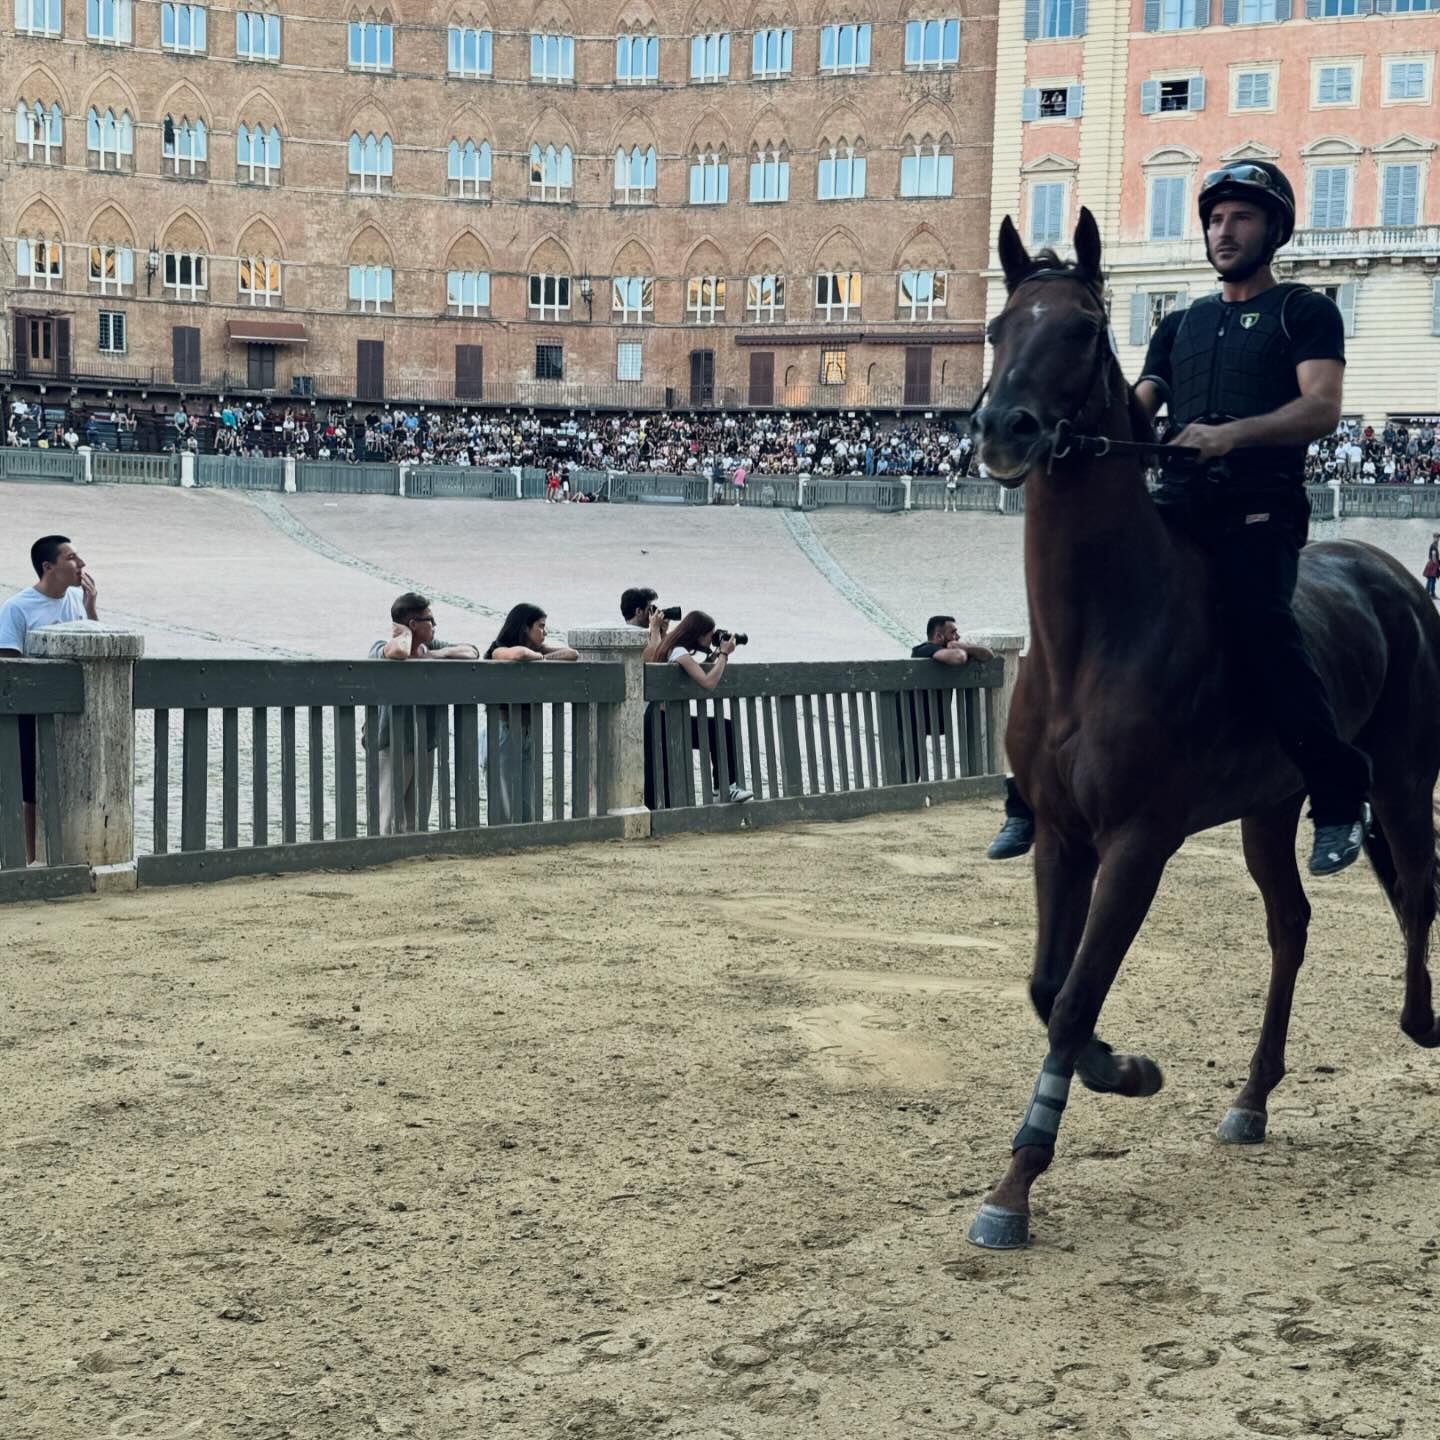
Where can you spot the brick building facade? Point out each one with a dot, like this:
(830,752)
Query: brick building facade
(1123,105)
(649,204)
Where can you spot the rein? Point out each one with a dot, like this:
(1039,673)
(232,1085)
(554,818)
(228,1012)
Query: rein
(1065,440)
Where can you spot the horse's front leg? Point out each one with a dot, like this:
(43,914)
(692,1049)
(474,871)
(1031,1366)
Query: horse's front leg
(1128,877)
(1064,885)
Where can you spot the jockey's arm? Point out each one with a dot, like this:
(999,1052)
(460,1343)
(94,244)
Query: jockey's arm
(1316,413)
(1148,393)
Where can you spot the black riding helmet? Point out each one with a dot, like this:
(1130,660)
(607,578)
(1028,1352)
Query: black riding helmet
(1258,181)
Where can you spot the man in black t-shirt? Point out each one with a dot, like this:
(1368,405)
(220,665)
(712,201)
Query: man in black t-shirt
(1250,377)
(943,645)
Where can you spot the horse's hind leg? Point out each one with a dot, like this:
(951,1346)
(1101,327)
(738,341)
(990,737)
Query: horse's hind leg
(1269,841)
(1402,852)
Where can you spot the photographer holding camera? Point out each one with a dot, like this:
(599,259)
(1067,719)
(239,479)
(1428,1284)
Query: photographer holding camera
(639,608)
(697,636)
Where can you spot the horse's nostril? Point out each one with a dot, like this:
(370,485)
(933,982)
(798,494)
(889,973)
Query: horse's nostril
(1022,424)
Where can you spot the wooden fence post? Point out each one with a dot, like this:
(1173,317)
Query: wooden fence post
(620,737)
(1007,648)
(96,749)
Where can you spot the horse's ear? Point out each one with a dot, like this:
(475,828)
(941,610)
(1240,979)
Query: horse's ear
(1087,245)
(1015,260)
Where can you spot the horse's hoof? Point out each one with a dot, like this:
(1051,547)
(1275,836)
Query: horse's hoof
(997,1229)
(1149,1078)
(1241,1127)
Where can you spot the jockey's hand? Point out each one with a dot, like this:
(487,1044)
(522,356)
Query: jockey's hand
(1212,441)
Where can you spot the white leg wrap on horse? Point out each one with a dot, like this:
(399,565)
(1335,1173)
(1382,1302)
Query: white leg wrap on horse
(1042,1118)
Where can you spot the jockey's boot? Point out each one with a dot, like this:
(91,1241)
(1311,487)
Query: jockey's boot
(1013,839)
(1337,847)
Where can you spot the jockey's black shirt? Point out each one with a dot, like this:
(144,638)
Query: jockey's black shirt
(1223,360)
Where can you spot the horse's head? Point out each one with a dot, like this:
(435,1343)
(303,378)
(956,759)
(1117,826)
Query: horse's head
(1052,364)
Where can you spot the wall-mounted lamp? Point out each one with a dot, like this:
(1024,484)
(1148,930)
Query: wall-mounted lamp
(152,264)
(587,294)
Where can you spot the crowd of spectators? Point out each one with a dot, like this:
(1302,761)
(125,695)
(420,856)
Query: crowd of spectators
(711,445)
(1404,452)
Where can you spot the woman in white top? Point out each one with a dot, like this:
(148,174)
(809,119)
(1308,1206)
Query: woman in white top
(687,645)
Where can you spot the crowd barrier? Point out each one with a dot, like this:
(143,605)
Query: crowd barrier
(159,772)
(461,482)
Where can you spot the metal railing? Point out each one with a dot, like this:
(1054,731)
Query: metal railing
(791,732)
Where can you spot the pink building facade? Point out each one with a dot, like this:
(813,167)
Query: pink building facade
(1124,105)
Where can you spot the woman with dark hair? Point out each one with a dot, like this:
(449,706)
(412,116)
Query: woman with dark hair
(694,637)
(521,638)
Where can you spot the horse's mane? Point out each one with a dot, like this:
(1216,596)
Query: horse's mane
(1047,259)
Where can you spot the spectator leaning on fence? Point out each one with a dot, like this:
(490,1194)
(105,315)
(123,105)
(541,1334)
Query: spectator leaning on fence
(64,591)
(412,637)
(521,638)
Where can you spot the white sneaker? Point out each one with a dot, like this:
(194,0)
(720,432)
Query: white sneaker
(739,795)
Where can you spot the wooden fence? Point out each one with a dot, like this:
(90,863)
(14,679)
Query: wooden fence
(302,762)
(32,463)
(801,731)
(458,482)
(32,694)
(239,472)
(109,468)
(251,766)
(336,477)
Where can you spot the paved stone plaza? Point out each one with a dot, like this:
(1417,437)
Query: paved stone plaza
(206,573)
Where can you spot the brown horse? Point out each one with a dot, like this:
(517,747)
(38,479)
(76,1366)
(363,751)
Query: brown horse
(1127,732)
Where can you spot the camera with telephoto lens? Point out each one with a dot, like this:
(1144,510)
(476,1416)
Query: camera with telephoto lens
(721,636)
(671,613)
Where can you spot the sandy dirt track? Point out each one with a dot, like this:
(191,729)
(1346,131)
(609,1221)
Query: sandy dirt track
(681,1139)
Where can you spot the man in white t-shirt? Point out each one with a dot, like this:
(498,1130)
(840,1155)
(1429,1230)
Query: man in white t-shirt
(64,591)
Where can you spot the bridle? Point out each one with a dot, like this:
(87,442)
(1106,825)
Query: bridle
(1066,440)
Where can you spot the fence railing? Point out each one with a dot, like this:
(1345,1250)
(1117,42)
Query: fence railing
(238,472)
(167,771)
(333,477)
(1322,502)
(37,464)
(459,482)
(111,468)
(793,732)
(1388,502)
(32,694)
(257,758)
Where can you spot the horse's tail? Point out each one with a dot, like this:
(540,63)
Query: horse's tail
(1382,861)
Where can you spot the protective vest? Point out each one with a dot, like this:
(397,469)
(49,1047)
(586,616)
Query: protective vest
(1232,361)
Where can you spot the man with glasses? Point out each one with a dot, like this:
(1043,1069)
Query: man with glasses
(412,637)
(1250,377)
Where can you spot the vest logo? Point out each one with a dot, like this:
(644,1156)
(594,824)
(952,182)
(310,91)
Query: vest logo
(1250,321)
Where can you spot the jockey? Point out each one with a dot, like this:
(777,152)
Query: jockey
(1251,376)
